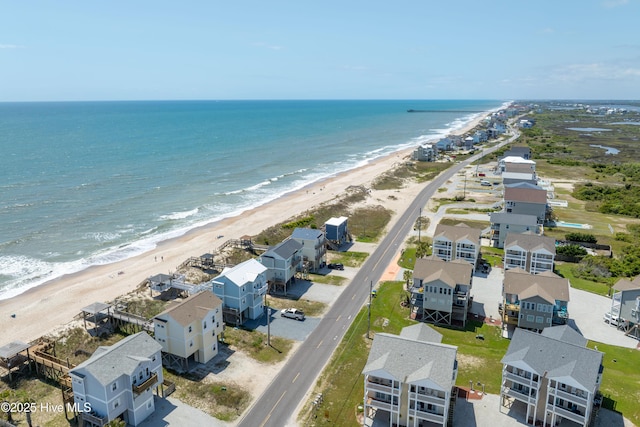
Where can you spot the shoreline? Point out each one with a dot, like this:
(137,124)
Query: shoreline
(48,307)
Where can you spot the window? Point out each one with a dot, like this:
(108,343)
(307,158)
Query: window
(114,386)
(539,319)
(530,317)
(213,334)
(204,326)
(116,404)
(190,329)
(214,347)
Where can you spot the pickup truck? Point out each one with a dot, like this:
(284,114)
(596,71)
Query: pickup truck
(292,313)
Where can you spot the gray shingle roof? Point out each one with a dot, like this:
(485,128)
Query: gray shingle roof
(530,242)
(286,249)
(627,285)
(556,358)
(109,363)
(565,333)
(306,234)
(421,332)
(410,360)
(511,218)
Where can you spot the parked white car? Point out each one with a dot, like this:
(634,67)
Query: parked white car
(292,313)
(612,320)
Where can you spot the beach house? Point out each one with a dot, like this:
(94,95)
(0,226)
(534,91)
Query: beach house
(550,376)
(451,242)
(117,382)
(529,251)
(518,151)
(625,305)
(314,248)
(534,301)
(189,331)
(337,231)
(283,261)
(409,379)
(503,223)
(527,164)
(425,153)
(440,291)
(242,289)
(525,198)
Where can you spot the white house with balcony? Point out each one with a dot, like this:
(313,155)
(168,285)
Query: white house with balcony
(409,379)
(242,289)
(117,382)
(189,331)
(314,247)
(529,252)
(451,242)
(551,376)
(441,291)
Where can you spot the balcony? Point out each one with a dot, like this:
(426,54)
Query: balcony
(427,416)
(518,395)
(141,388)
(512,306)
(94,419)
(260,290)
(374,386)
(565,413)
(506,375)
(571,398)
(385,405)
(428,398)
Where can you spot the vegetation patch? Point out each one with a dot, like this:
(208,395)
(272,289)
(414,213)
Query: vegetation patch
(254,344)
(349,258)
(222,400)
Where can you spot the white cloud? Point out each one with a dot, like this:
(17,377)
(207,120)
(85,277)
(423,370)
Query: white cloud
(268,46)
(596,70)
(614,3)
(10,46)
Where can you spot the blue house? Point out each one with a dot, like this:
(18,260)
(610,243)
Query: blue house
(242,289)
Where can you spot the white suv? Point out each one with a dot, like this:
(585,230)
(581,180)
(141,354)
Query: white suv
(612,320)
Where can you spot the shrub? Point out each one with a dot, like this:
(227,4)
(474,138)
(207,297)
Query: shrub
(571,250)
(581,237)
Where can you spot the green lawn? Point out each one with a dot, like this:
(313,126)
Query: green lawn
(478,362)
(620,380)
(565,269)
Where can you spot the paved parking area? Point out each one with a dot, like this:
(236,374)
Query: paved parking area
(585,309)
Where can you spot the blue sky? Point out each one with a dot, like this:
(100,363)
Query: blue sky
(348,49)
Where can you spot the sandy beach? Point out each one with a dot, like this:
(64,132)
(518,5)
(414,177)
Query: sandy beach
(46,308)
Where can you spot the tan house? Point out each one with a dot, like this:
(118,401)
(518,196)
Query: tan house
(530,252)
(534,301)
(460,241)
(441,290)
(409,379)
(189,331)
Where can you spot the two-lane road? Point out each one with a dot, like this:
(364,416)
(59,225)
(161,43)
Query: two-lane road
(278,404)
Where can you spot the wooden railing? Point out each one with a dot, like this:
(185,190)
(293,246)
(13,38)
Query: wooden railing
(145,385)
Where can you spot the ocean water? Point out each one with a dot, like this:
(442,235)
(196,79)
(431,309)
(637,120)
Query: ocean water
(89,183)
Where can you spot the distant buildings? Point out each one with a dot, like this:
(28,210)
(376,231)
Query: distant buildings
(425,153)
(190,330)
(553,375)
(118,381)
(409,378)
(503,223)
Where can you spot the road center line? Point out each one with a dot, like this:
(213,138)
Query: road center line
(273,409)
(295,378)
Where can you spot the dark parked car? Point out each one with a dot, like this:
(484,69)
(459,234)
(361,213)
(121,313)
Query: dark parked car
(336,266)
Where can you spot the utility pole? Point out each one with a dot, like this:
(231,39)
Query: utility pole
(419,224)
(369,315)
(266,306)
